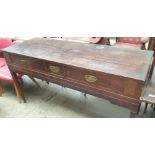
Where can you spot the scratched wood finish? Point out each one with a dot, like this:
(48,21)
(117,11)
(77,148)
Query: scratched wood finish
(95,57)
(117,74)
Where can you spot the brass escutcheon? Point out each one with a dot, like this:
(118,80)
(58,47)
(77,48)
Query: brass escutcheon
(54,69)
(90,78)
(25,63)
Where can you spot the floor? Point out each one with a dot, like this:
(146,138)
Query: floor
(56,101)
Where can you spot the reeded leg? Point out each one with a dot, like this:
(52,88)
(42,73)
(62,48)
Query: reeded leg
(154,112)
(17,93)
(22,83)
(18,85)
(34,81)
(146,104)
(138,108)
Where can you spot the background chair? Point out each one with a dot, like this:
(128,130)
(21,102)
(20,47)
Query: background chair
(79,39)
(5,74)
(132,42)
(100,40)
(2,62)
(92,40)
(4,42)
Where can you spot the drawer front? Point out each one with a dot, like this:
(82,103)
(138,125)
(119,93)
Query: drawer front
(96,79)
(28,63)
(55,68)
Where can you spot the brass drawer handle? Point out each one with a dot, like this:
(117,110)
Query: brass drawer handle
(25,63)
(54,69)
(90,78)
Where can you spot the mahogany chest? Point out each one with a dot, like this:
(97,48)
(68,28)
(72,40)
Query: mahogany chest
(115,73)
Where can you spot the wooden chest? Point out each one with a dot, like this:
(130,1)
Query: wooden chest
(114,73)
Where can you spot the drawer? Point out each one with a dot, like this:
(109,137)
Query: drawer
(96,79)
(55,68)
(28,63)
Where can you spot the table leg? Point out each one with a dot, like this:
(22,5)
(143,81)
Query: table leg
(145,109)
(133,114)
(18,85)
(139,108)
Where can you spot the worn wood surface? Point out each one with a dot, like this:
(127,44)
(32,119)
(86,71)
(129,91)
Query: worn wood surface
(118,61)
(117,74)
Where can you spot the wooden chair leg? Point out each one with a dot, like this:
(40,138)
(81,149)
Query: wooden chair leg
(151,105)
(46,81)
(1,89)
(85,95)
(146,104)
(22,83)
(17,93)
(34,81)
(153,112)
(138,109)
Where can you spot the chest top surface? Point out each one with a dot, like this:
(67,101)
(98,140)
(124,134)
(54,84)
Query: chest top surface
(131,63)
